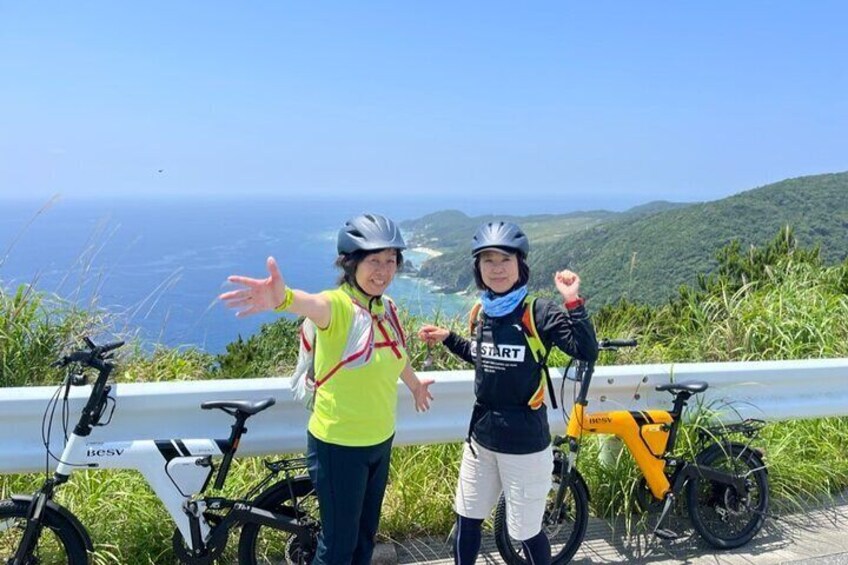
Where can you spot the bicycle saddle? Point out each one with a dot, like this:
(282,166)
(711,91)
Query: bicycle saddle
(693,387)
(249,407)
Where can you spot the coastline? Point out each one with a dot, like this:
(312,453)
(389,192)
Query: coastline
(432,285)
(429,251)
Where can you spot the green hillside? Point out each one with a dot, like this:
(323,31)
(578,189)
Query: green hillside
(649,251)
(451,230)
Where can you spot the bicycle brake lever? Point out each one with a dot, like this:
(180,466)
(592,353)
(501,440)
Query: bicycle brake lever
(63,362)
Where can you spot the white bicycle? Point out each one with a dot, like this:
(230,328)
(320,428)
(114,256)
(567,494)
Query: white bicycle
(278,517)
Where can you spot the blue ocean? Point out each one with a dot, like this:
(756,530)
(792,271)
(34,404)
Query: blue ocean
(157,265)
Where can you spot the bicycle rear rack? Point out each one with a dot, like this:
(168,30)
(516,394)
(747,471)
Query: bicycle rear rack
(286,465)
(749,428)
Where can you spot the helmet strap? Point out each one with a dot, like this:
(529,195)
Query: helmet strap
(371,298)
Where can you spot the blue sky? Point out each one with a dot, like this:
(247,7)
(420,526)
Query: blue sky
(616,103)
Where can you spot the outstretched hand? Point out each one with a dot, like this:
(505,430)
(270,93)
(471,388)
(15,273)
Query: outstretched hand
(256,295)
(422,395)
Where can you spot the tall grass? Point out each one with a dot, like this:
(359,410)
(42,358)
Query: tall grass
(776,303)
(33,329)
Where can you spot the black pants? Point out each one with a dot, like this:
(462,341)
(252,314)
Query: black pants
(350,483)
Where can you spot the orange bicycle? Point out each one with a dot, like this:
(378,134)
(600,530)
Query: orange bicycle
(726,486)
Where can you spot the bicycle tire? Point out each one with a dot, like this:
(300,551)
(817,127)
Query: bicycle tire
(712,505)
(260,544)
(565,532)
(58,543)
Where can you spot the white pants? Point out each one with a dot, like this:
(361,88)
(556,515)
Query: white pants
(524,479)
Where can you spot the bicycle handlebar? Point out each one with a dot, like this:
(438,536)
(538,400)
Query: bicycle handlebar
(585,369)
(111,346)
(91,357)
(614,343)
(95,357)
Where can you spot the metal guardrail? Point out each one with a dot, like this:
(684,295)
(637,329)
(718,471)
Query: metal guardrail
(770,390)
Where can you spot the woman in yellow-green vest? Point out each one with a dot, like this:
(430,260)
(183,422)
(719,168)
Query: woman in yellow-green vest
(353,421)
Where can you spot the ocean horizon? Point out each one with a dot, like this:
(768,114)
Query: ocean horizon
(157,265)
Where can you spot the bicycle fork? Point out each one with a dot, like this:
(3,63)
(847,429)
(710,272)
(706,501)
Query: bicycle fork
(34,525)
(567,474)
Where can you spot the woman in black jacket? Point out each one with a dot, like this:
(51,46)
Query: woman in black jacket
(508,447)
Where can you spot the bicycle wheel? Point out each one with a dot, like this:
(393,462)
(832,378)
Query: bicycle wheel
(724,517)
(565,530)
(265,544)
(58,543)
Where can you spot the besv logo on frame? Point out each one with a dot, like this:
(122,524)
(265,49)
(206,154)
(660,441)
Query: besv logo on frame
(91,452)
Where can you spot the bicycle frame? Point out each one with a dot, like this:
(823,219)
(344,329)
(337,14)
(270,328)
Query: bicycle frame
(649,435)
(175,469)
(244,511)
(646,434)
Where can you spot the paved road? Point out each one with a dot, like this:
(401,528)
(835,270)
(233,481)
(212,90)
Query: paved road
(818,537)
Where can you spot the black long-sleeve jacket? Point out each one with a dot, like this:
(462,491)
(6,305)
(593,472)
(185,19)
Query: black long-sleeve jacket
(509,375)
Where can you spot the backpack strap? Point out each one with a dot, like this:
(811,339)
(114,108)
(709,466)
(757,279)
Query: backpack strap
(387,339)
(528,322)
(351,357)
(540,353)
(394,320)
(304,342)
(390,315)
(395,343)
(478,368)
(474,316)
(303,378)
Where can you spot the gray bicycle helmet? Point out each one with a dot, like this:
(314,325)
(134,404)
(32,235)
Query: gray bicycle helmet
(502,235)
(369,232)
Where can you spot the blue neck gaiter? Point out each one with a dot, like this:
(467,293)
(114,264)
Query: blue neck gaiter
(497,306)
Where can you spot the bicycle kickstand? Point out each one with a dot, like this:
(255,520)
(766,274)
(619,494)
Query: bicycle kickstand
(665,534)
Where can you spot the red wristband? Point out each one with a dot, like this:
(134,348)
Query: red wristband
(575,303)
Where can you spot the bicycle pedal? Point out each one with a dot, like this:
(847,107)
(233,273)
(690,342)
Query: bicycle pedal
(667,535)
